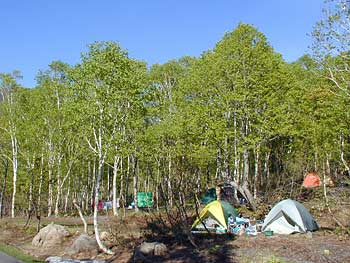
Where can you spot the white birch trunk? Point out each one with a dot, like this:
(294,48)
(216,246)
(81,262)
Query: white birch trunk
(342,154)
(50,167)
(134,186)
(81,216)
(97,193)
(14,167)
(256,172)
(170,190)
(115,174)
(58,185)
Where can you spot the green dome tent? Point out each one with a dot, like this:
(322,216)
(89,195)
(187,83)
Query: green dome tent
(209,196)
(214,213)
(289,216)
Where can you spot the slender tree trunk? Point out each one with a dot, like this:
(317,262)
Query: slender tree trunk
(326,196)
(267,170)
(115,175)
(50,167)
(40,183)
(93,174)
(246,166)
(135,183)
(342,154)
(108,184)
(170,191)
(121,192)
(157,184)
(3,190)
(257,170)
(88,196)
(30,168)
(97,193)
(58,185)
(101,159)
(14,167)
(127,181)
(67,198)
(81,215)
(218,166)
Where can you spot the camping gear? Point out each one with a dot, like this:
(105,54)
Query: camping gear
(312,180)
(259,224)
(209,196)
(268,233)
(251,231)
(214,214)
(289,216)
(144,200)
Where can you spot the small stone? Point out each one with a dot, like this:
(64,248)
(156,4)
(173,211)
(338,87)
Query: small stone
(309,234)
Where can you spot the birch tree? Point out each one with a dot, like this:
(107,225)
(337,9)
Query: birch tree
(8,86)
(106,88)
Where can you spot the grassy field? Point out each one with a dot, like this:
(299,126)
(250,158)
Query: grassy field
(12,251)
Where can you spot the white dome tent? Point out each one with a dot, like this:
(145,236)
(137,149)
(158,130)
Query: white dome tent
(289,216)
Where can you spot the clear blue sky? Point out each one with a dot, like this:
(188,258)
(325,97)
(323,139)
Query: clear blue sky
(34,33)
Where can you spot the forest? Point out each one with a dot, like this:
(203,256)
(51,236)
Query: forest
(111,125)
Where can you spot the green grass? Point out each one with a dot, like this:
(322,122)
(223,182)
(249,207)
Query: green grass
(274,259)
(14,252)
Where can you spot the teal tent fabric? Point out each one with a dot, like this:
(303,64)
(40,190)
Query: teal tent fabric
(144,199)
(209,196)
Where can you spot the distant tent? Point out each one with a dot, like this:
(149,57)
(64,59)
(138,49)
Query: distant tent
(289,216)
(225,192)
(312,180)
(144,199)
(214,214)
(209,196)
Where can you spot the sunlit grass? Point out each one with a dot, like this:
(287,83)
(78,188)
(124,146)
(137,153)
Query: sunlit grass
(14,252)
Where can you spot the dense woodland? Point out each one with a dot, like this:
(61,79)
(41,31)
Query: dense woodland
(238,113)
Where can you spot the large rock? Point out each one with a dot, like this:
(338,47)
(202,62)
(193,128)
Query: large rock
(153,248)
(105,236)
(50,236)
(83,243)
(160,249)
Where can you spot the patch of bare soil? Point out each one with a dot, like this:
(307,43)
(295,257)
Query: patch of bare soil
(297,248)
(326,245)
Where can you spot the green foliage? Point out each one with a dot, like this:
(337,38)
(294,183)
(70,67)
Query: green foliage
(238,112)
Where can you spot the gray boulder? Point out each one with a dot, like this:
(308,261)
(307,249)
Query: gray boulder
(153,248)
(83,243)
(50,236)
(67,260)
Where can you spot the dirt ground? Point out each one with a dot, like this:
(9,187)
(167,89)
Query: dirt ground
(329,244)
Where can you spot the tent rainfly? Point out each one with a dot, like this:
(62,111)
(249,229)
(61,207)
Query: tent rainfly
(312,180)
(289,216)
(214,213)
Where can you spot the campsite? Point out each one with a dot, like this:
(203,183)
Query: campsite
(323,245)
(175,131)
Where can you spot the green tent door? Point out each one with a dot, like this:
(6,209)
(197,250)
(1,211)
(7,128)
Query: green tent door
(144,199)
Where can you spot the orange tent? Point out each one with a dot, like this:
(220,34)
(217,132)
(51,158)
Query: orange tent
(312,180)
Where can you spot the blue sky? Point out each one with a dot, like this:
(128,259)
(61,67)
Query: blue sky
(34,33)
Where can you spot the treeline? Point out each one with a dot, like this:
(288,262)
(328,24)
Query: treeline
(238,113)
